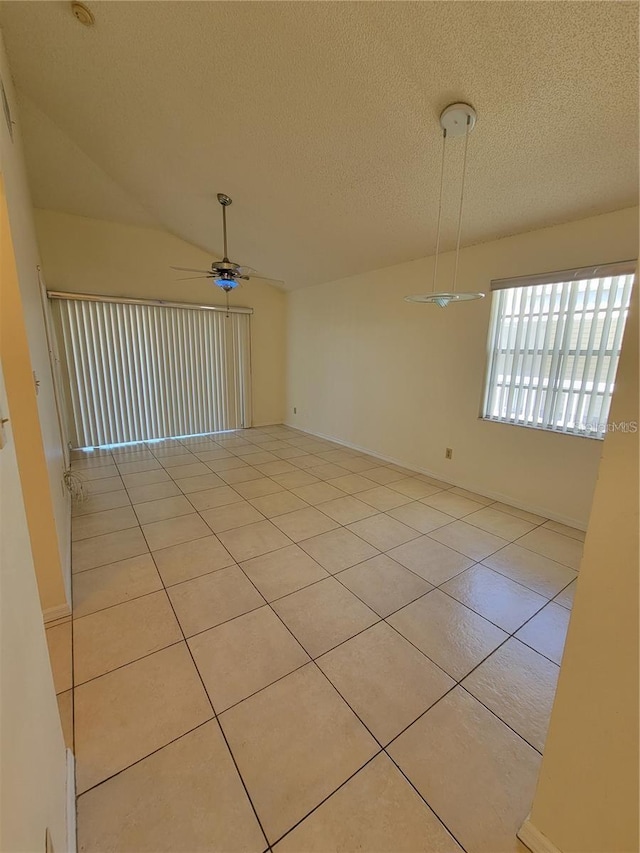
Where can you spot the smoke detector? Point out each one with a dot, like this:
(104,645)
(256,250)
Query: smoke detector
(83,14)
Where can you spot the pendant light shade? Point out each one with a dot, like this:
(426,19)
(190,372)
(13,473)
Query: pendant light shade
(443,299)
(456,120)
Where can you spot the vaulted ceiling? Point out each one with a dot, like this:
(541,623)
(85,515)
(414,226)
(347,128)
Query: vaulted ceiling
(321,120)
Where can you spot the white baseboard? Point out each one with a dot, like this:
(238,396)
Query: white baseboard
(470,487)
(534,839)
(60,611)
(71,803)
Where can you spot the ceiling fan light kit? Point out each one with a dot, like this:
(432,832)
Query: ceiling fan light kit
(224,274)
(455,120)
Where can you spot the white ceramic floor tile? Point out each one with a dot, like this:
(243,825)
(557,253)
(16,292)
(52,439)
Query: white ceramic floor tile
(284,571)
(385,679)
(377,810)
(338,549)
(500,600)
(186,796)
(295,742)
(519,686)
(431,560)
(252,540)
(477,775)
(499,523)
(113,584)
(383,532)
(207,601)
(245,655)
(547,631)
(565,530)
(323,615)
(451,635)
(422,518)
(468,540)
(118,635)
(384,585)
(136,709)
(539,573)
(555,546)
(106,521)
(304,523)
(566,596)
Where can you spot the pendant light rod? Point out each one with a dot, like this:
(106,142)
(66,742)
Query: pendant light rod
(435,262)
(455,120)
(464,174)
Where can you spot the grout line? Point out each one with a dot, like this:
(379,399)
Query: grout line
(127,663)
(206,692)
(117,603)
(383,749)
(144,757)
(312,660)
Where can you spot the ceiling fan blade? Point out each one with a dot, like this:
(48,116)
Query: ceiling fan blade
(250,272)
(265,278)
(192,277)
(190,269)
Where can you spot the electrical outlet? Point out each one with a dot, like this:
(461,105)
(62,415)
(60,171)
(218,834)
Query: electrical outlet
(448,453)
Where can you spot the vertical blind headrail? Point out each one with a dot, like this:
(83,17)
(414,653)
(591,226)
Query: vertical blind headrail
(566,276)
(161,303)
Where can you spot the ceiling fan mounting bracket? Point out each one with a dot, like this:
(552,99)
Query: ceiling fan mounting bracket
(224,200)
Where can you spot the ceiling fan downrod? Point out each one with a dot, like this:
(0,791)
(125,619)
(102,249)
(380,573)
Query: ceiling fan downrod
(225,201)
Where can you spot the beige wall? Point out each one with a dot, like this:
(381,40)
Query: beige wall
(32,754)
(39,442)
(587,797)
(14,351)
(33,769)
(405,381)
(93,256)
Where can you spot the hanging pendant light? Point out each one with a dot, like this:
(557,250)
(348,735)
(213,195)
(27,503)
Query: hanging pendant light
(456,120)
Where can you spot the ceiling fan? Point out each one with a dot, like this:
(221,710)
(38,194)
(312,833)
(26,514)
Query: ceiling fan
(224,274)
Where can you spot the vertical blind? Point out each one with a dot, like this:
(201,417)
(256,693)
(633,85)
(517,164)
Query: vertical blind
(140,371)
(554,346)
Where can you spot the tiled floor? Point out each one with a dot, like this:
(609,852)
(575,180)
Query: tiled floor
(282,643)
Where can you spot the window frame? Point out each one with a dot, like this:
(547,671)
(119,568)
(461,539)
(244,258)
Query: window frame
(558,353)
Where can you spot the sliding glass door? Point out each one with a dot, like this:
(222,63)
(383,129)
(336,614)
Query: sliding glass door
(138,371)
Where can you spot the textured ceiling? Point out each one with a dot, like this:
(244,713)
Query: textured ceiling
(321,120)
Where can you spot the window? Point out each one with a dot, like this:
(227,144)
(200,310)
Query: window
(554,345)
